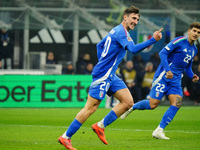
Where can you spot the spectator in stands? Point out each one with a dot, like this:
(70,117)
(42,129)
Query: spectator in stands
(118,71)
(69,69)
(196,87)
(195,63)
(187,85)
(130,77)
(155,59)
(82,63)
(89,68)
(139,63)
(147,79)
(50,58)
(6,49)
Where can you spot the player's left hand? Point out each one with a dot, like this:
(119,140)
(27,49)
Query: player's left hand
(158,35)
(195,78)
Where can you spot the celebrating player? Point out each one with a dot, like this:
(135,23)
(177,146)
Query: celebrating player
(176,57)
(110,51)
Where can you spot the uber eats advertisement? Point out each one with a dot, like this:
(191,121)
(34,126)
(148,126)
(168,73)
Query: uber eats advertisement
(44,90)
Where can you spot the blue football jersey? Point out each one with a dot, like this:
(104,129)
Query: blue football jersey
(177,56)
(110,51)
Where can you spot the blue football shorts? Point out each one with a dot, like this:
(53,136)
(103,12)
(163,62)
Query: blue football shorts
(164,87)
(100,87)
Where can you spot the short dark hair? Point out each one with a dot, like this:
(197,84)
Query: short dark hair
(195,25)
(132,9)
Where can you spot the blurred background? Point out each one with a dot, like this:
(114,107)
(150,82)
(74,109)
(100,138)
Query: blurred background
(60,36)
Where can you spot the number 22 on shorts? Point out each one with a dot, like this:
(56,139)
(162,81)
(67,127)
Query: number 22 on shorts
(160,87)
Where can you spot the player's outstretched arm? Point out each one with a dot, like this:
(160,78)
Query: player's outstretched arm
(141,46)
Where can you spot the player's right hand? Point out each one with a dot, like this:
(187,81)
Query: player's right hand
(169,75)
(158,35)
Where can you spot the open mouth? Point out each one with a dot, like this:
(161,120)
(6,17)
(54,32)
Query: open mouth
(195,37)
(133,25)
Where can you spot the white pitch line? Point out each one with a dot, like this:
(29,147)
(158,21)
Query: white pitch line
(117,129)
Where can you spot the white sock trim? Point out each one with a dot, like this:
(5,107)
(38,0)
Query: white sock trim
(64,135)
(100,123)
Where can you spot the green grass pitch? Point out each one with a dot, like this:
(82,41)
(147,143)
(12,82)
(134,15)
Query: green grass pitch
(39,129)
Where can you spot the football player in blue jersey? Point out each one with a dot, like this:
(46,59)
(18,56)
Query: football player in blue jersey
(110,51)
(176,57)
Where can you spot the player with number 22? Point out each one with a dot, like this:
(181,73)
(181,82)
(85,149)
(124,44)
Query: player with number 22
(176,57)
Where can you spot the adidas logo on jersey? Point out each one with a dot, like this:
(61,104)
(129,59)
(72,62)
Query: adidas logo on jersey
(185,50)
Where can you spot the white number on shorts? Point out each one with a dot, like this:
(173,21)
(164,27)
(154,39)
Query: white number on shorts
(103,85)
(106,46)
(160,87)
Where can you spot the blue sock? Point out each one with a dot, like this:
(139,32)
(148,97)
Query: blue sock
(141,105)
(74,126)
(168,116)
(109,118)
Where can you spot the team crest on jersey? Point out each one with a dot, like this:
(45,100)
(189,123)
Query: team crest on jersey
(157,94)
(129,39)
(101,94)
